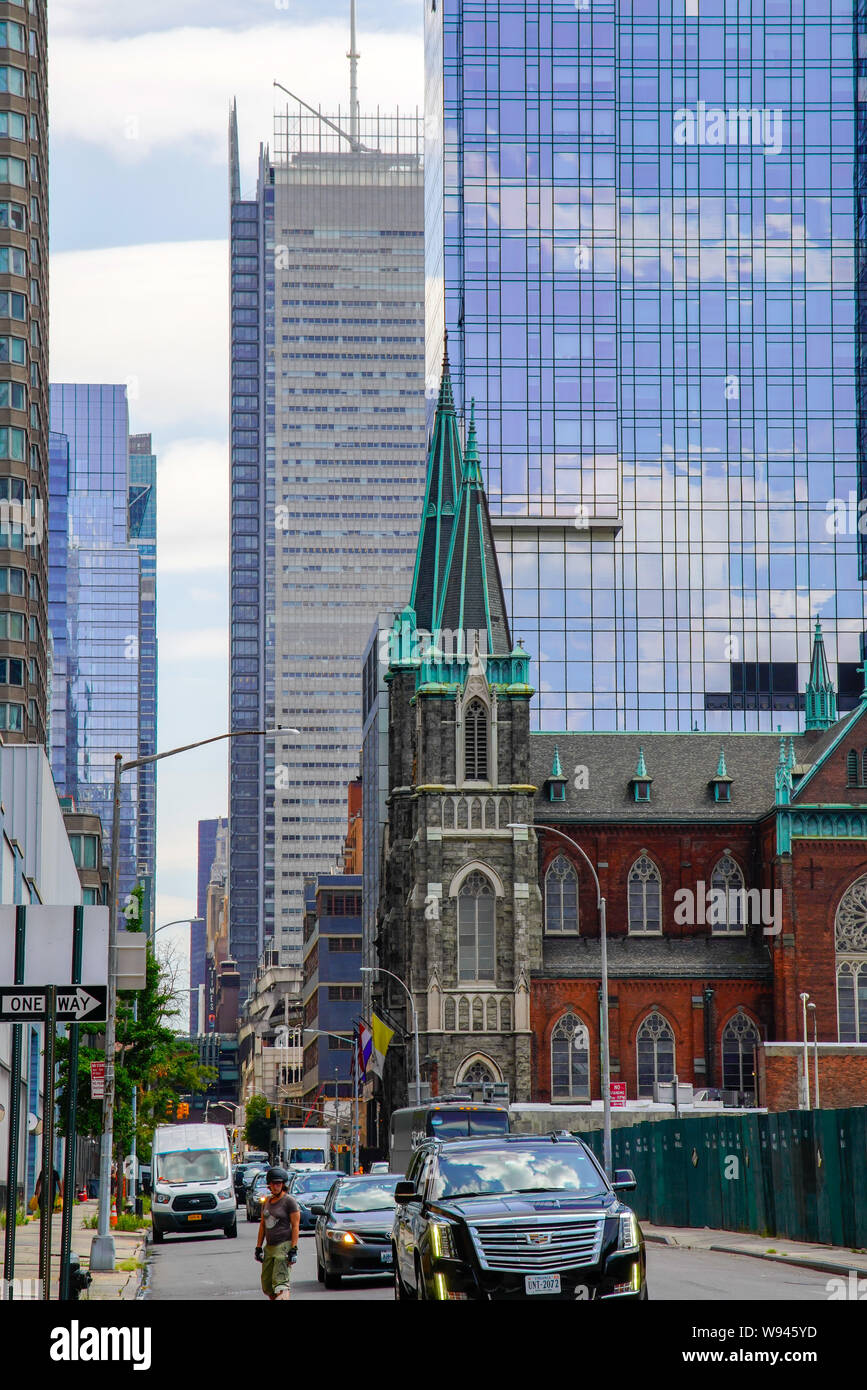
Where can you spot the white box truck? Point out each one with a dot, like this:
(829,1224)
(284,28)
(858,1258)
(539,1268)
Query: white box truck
(192,1180)
(306,1150)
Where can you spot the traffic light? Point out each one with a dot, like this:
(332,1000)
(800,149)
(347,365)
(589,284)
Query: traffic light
(183,1110)
(170,1105)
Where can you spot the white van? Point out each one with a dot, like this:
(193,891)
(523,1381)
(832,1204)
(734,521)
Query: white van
(192,1180)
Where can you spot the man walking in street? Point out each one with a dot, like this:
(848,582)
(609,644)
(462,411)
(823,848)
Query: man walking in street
(277,1241)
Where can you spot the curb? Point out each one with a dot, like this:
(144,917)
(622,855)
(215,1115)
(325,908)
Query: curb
(800,1261)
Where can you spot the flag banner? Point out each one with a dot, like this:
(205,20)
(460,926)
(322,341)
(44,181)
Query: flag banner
(381,1037)
(365,1048)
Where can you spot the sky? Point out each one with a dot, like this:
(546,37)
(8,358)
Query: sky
(139,103)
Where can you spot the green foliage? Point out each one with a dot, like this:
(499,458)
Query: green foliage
(150,1058)
(257,1130)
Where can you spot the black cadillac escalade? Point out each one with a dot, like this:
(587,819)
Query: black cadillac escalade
(515,1217)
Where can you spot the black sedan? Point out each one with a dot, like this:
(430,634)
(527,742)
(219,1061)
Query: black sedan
(255,1196)
(353,1229)
(308,1188)
(242,1176)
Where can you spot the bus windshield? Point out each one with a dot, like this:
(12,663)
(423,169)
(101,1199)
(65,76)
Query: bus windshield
(467,1123)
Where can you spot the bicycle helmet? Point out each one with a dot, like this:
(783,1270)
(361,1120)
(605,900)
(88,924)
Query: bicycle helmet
(277,1175)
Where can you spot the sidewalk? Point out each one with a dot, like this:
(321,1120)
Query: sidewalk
(829,1259)
(129,1251)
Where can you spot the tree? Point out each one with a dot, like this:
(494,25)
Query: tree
(257,1130)
(149,1057)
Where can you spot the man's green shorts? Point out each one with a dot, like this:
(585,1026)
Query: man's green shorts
(275,1268)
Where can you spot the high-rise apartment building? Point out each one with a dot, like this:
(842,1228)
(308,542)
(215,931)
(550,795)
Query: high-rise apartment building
(327,480)
(208,833)
(24,662)
(641,237)
(99,623)
(143,534)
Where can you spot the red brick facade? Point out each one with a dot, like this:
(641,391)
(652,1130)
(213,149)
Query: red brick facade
(842,1076)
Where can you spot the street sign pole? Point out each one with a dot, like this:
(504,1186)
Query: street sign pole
(71,1107)
(47,1192)
(14,1114)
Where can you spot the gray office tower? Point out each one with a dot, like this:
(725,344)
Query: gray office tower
(328,450)
(641,236)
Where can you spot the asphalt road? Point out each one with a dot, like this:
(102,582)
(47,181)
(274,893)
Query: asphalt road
(212,1267)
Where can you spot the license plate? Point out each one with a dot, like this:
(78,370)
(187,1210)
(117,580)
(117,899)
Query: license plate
(542,1283)
(194,1216)
(385,1256)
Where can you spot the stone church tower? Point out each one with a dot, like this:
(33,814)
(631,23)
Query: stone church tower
(460,909)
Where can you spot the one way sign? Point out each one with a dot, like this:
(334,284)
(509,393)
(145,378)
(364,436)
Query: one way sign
(75,1003)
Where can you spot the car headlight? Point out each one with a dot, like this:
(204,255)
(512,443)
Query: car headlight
(163,1198)
(628,1239)
(225,1193)
(442,1241)
(344,1237)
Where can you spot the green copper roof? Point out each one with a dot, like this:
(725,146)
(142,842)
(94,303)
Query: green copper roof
(557,766)
(471,596)
(821,697)
(444,470)
(472,470)
(721,765)
(641,768)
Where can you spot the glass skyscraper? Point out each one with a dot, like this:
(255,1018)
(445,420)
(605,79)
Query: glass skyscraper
(143,534)
(327,482)
(99,624)
(641,236)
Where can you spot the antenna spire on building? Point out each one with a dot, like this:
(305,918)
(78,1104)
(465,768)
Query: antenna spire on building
(353,57)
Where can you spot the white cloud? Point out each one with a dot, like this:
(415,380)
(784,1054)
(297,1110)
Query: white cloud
(100,17)
(156,317)
(197,644)
(157,90)
(193,506)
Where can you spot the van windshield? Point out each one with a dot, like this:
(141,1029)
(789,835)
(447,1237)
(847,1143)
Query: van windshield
(192,1165)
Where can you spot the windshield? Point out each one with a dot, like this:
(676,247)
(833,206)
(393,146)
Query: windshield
(558,1168)
(366,1196)
(464,1123)
(305,1156)
(314,1182)
(192,1165)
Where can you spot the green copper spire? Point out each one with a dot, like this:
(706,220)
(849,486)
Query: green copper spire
(471,598)
(641,769)
(783,778)
(820,695)
(721,765)
(556,766)
(444,469)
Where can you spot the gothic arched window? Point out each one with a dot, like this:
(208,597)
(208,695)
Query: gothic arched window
(655,1053)
(727,908)
(475,742)
(739,1040)
(850,942)
(570,1059)
(561,897)
(476,928)
(645,896)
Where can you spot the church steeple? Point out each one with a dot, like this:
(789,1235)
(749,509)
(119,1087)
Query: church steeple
(471,597)
(821,697)
(444,467)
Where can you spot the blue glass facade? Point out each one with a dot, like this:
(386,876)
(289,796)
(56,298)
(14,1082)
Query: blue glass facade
(102,613)
(641,236)
(143,533)
(60,599)
(331,992)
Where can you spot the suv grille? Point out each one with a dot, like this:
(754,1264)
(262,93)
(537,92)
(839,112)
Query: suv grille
(539,1246)
(206,1201)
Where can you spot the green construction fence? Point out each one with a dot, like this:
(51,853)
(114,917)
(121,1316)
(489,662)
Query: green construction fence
(800,1174)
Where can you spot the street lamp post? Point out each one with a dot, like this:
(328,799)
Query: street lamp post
(812,1009)
(102,1246)
(806,1080)
(353,1156)
(603,1026)
(378,970)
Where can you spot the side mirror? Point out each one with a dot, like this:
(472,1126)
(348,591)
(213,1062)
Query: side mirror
(318,1209)
(624,1180)
(404,1192)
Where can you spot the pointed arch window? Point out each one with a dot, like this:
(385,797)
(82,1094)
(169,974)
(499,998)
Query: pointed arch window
(479,1073)
(561,897)
(739,1040)
(645,897)
(476,742)
(570,1059)
(655,1053)
(476,928)
(850,942)
(727,908)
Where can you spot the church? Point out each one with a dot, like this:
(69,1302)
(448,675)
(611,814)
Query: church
(731,868)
